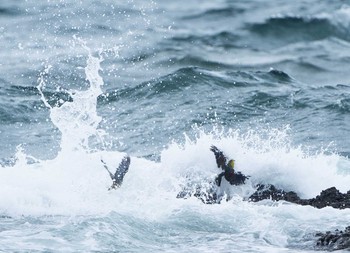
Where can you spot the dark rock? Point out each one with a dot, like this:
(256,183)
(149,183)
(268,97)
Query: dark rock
(335,240)
(271,192)
(329,197)
(207,194)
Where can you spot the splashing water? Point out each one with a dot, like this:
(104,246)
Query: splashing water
(267,156)
(78,120)
(62,184)
(63,205)
(76,183)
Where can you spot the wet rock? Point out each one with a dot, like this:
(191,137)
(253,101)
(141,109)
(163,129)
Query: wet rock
(206,193)
(271,192)
(329,197)
(336,240)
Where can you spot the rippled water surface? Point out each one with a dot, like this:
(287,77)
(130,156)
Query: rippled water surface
(265,81)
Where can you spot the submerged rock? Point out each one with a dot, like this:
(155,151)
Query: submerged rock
(335,240)
(206,193)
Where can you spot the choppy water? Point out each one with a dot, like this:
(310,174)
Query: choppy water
(266,81)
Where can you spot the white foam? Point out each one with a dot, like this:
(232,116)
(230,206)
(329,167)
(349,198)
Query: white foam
(75,182)
(267,156)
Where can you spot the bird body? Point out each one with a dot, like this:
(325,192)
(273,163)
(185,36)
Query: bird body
(234,178)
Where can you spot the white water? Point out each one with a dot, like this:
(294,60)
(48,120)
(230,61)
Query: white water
(75,184)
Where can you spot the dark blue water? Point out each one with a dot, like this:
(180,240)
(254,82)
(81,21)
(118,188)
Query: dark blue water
(268,81)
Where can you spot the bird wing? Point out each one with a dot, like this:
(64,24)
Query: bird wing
(240,178)
(219,156)
(121,170)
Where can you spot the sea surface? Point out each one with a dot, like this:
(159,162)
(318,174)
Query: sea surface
(267,82)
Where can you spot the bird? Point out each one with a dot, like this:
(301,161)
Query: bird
(234,178)
(120,172)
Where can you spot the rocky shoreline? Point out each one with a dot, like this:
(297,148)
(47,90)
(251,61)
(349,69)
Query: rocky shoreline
(331,197)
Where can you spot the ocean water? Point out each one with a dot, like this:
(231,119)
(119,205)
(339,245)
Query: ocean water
(265,81)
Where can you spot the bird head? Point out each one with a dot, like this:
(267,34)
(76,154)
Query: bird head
(231,164)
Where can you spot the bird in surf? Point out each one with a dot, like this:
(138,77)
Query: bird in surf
(120,172)
(233,177)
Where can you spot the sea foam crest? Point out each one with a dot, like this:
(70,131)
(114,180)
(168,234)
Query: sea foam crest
(267,156)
